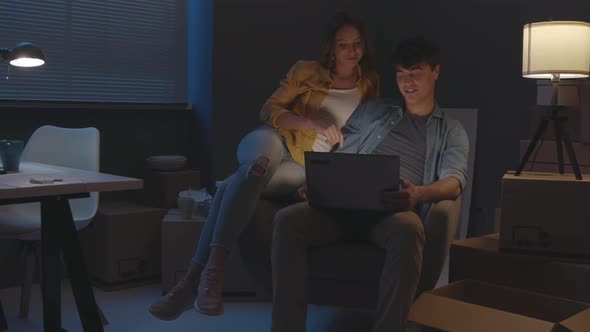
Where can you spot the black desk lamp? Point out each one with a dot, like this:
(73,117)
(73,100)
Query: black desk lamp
(555,50)
(23,55)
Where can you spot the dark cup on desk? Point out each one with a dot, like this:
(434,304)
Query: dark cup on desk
(10,153)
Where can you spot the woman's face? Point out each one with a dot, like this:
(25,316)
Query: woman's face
(348,46)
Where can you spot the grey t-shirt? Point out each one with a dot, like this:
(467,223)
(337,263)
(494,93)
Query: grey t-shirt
(407,140)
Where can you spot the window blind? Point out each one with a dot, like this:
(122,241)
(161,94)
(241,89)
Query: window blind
(97,50)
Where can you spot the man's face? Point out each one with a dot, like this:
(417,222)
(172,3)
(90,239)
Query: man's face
(416,83)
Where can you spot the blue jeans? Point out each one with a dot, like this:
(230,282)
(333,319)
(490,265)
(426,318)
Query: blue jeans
(235,199)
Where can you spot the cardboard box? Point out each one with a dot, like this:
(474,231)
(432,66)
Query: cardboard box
(545,157)
(480,258)
(469,305)
(179,242)
(123,243)
(545,213)
(161,188)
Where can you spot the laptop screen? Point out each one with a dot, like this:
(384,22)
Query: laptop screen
(350,181)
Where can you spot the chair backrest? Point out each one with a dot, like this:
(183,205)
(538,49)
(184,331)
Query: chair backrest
(68,147)
(468,118)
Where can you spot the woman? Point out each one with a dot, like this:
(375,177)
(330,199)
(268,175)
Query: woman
(305,113)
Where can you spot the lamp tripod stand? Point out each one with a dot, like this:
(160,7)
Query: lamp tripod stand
(561,136)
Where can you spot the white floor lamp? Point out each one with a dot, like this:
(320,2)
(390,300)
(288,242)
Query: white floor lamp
(555,50)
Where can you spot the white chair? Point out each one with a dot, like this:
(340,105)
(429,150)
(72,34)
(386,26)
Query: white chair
(66,147)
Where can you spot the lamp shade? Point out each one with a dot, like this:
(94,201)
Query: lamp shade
(556,47)
(26,55)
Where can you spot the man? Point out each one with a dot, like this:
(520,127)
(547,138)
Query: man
(433,151)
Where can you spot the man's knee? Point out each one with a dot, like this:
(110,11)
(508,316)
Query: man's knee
(441,210)
(409,223)
(292,223)
(439,215)
(441,221)
(289,222)
(404,226)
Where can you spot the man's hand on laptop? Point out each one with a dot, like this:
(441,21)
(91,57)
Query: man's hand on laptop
(405,199)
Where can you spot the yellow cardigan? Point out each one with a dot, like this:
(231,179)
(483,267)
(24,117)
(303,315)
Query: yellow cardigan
(302,92)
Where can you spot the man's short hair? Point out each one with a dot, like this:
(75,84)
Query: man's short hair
(415,50)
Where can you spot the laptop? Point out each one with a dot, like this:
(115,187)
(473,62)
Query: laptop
(350,181)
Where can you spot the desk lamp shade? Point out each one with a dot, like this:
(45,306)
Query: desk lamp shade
(26,55)
(556,49)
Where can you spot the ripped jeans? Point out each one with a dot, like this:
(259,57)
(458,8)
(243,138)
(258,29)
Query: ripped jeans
(236,198)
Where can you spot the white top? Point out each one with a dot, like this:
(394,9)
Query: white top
(336,108)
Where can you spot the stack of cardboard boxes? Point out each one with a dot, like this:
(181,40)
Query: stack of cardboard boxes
(123,244)
(532,276)
(494,290)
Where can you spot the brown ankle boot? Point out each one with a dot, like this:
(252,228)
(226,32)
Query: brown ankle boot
(179,298)
(209,300)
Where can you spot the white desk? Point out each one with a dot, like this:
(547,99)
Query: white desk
(58,232)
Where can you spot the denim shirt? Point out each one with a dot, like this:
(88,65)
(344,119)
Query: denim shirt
(447,144)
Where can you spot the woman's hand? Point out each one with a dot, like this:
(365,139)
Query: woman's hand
(328,130)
